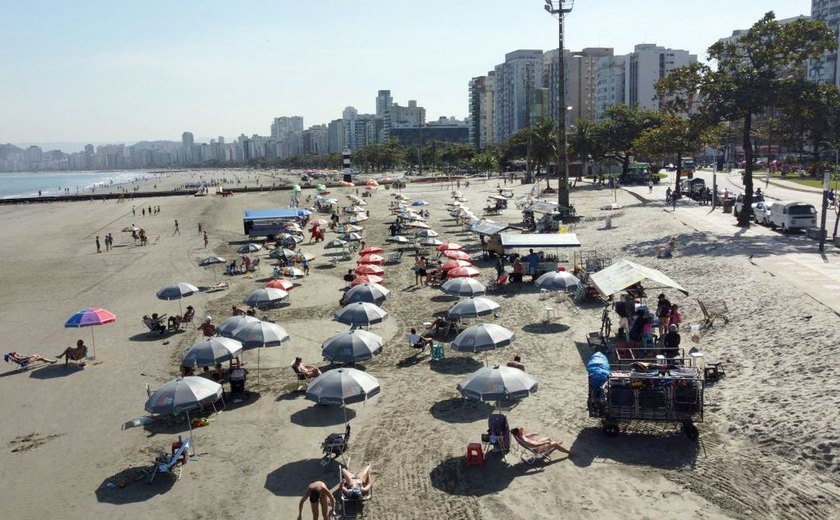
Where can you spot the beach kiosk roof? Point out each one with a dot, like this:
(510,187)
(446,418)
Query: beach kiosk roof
(625,273)
(511,241)
(282,213)
(489,228)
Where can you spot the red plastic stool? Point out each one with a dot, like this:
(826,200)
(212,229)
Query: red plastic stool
(475,454)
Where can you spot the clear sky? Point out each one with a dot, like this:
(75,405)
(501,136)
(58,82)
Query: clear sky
(122,71)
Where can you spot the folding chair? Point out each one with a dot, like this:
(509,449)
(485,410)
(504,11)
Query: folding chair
(528,455)
(497,437)
(167,463)
(351,507)
(335,445)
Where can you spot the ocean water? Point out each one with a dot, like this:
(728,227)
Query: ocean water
(27,184)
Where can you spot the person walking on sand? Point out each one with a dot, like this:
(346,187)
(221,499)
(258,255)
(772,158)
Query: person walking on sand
(177,230)
(318,493)
(199,228)
(205,239)
(133,211)
(98,246)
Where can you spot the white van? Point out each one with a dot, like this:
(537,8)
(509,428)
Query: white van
(792,216)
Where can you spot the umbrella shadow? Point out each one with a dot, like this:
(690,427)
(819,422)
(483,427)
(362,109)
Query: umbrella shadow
(325,267)
(545,328)
(57,370)
(317,415)
(290,480)
(645,444)
(411,360)
(132,485)
(233,402)
(458,410)
(443,298)
(452,476)
(456,365)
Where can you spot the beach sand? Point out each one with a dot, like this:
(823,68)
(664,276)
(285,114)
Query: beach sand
(768,446)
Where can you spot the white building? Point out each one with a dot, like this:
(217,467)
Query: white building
(609,83)
(647,65)
(516,80)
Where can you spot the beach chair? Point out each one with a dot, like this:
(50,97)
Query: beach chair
(713,311)
(167,463)
(22,364)
(335,445)
(351,507)
(498,284)
(394,257)
(528,455)
(497,437)
(150,324)
(302,378)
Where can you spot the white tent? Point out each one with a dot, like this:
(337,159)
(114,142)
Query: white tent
(625,273)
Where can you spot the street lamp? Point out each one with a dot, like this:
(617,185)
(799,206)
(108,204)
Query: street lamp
(561,7)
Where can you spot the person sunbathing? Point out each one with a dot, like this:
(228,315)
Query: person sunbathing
(25,359)
(76,353)
(417,340)
(539,445)
(666,250)
(357,485)
(305,370)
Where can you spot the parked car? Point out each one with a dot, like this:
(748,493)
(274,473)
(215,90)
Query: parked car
(739,204)
(791,216)
(761,212)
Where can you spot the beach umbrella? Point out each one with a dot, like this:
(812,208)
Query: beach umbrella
(280,283)
(367,292)
(557,281)
(351,237)
(177,291)
(426,233)
(372,259)
(371,182)
(230,325)
(419,225)
(351,347)
(463,287)
(497,383)
(358,209)
(249,248)
(369,269)
(482,337)
(259,335)
(366,278)
(398,239)
(357,200)
(292,272)
(304,213)
(213,350)
(472,308)
(342,386)
(430,241)
(130,229)
(419,202)
(371,250)
(320,187)
(300,255)
(318,222)
(336,244)
(416,218)
(454,264)
(352,228)
(296,188)
(449,246)
(456,254)
(211,260)
(265,297)
(360,314)
(361,217)
(90,317)
(464,272)
(184,395)
(293,227)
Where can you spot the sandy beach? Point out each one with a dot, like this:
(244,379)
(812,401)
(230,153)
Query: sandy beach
(768,447)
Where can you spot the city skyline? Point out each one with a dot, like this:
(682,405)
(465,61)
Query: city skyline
(100,75)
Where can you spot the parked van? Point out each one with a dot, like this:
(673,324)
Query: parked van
(792,216)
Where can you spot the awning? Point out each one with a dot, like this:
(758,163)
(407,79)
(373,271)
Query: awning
(538,240)
(542,207)
(489,228)
(625,273)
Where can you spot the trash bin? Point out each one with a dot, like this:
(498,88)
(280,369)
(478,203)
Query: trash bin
(727,205)
(237,381)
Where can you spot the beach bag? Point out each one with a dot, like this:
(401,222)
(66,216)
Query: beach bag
(598,368)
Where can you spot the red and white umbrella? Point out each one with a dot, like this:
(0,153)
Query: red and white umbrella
(366,278)
(372,259)
(371,250)
(447,246)
(456,254)
(280,283)
(369,269)
(464,272)
(454,264)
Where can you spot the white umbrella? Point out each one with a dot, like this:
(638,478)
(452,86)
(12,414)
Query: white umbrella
(265,297)
(184,395)
(472,307)
(249,248)
(351,237)
(498,383)
(260,335)
(398,239)
(360,314)
(213,350)
(342,386)
(350,347)
(177,291)
(367,292)
(557,281)
(463,287)
(230,325)
(431,241)
(426,233)
(210,260)
(481,338)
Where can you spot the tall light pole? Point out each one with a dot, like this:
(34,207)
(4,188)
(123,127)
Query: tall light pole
(560,8)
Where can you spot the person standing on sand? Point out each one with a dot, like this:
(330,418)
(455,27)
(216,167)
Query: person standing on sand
(205,239)
(177,230)
(133,211)
(98,247)
(199,228)
(318,493)
(143,211)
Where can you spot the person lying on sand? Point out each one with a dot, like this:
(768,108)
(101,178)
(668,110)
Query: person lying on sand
(318,492)
(76,353)
(539,445)
(357,485)
(26,359)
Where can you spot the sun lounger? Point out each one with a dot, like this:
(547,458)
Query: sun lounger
(167,463)
(335,445)
(713,311)
(351,507)
(528,455)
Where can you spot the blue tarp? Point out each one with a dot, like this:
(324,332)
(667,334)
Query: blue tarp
(598,367)
(284,213)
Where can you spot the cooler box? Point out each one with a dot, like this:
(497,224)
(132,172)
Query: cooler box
(237,381)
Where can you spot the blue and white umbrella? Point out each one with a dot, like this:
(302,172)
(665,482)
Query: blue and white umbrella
(360,314)
(342,386)
(419,202)
(351,347)
(498,383)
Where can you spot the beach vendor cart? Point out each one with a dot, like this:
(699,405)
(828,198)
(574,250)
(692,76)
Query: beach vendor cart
(550,247)
(495,205)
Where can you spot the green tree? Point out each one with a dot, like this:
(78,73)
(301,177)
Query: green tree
(619,129)
(757,70)
(676,135)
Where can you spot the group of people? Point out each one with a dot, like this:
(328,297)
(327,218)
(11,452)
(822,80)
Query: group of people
(158,322)
(641,330)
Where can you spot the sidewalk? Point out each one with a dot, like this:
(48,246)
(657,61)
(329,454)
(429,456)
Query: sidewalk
(759,180)
(792,258)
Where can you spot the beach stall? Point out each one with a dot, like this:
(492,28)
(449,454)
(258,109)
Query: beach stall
(549,247)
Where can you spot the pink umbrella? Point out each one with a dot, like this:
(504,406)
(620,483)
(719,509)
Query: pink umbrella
(369,269)
(371,250)
(464,272)
(454,264)
(372,259)
(366,278)
(88,318)
(455,254)
(446,246)
(281,283)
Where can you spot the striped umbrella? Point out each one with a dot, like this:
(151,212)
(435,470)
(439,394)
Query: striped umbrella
(90,317)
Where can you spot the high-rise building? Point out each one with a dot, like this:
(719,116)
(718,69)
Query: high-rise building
(609,83)
(824,69)
(335,136)
(187,140)
(383,102)
(477,96)
(646,65)
(582,83)
(516,80)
